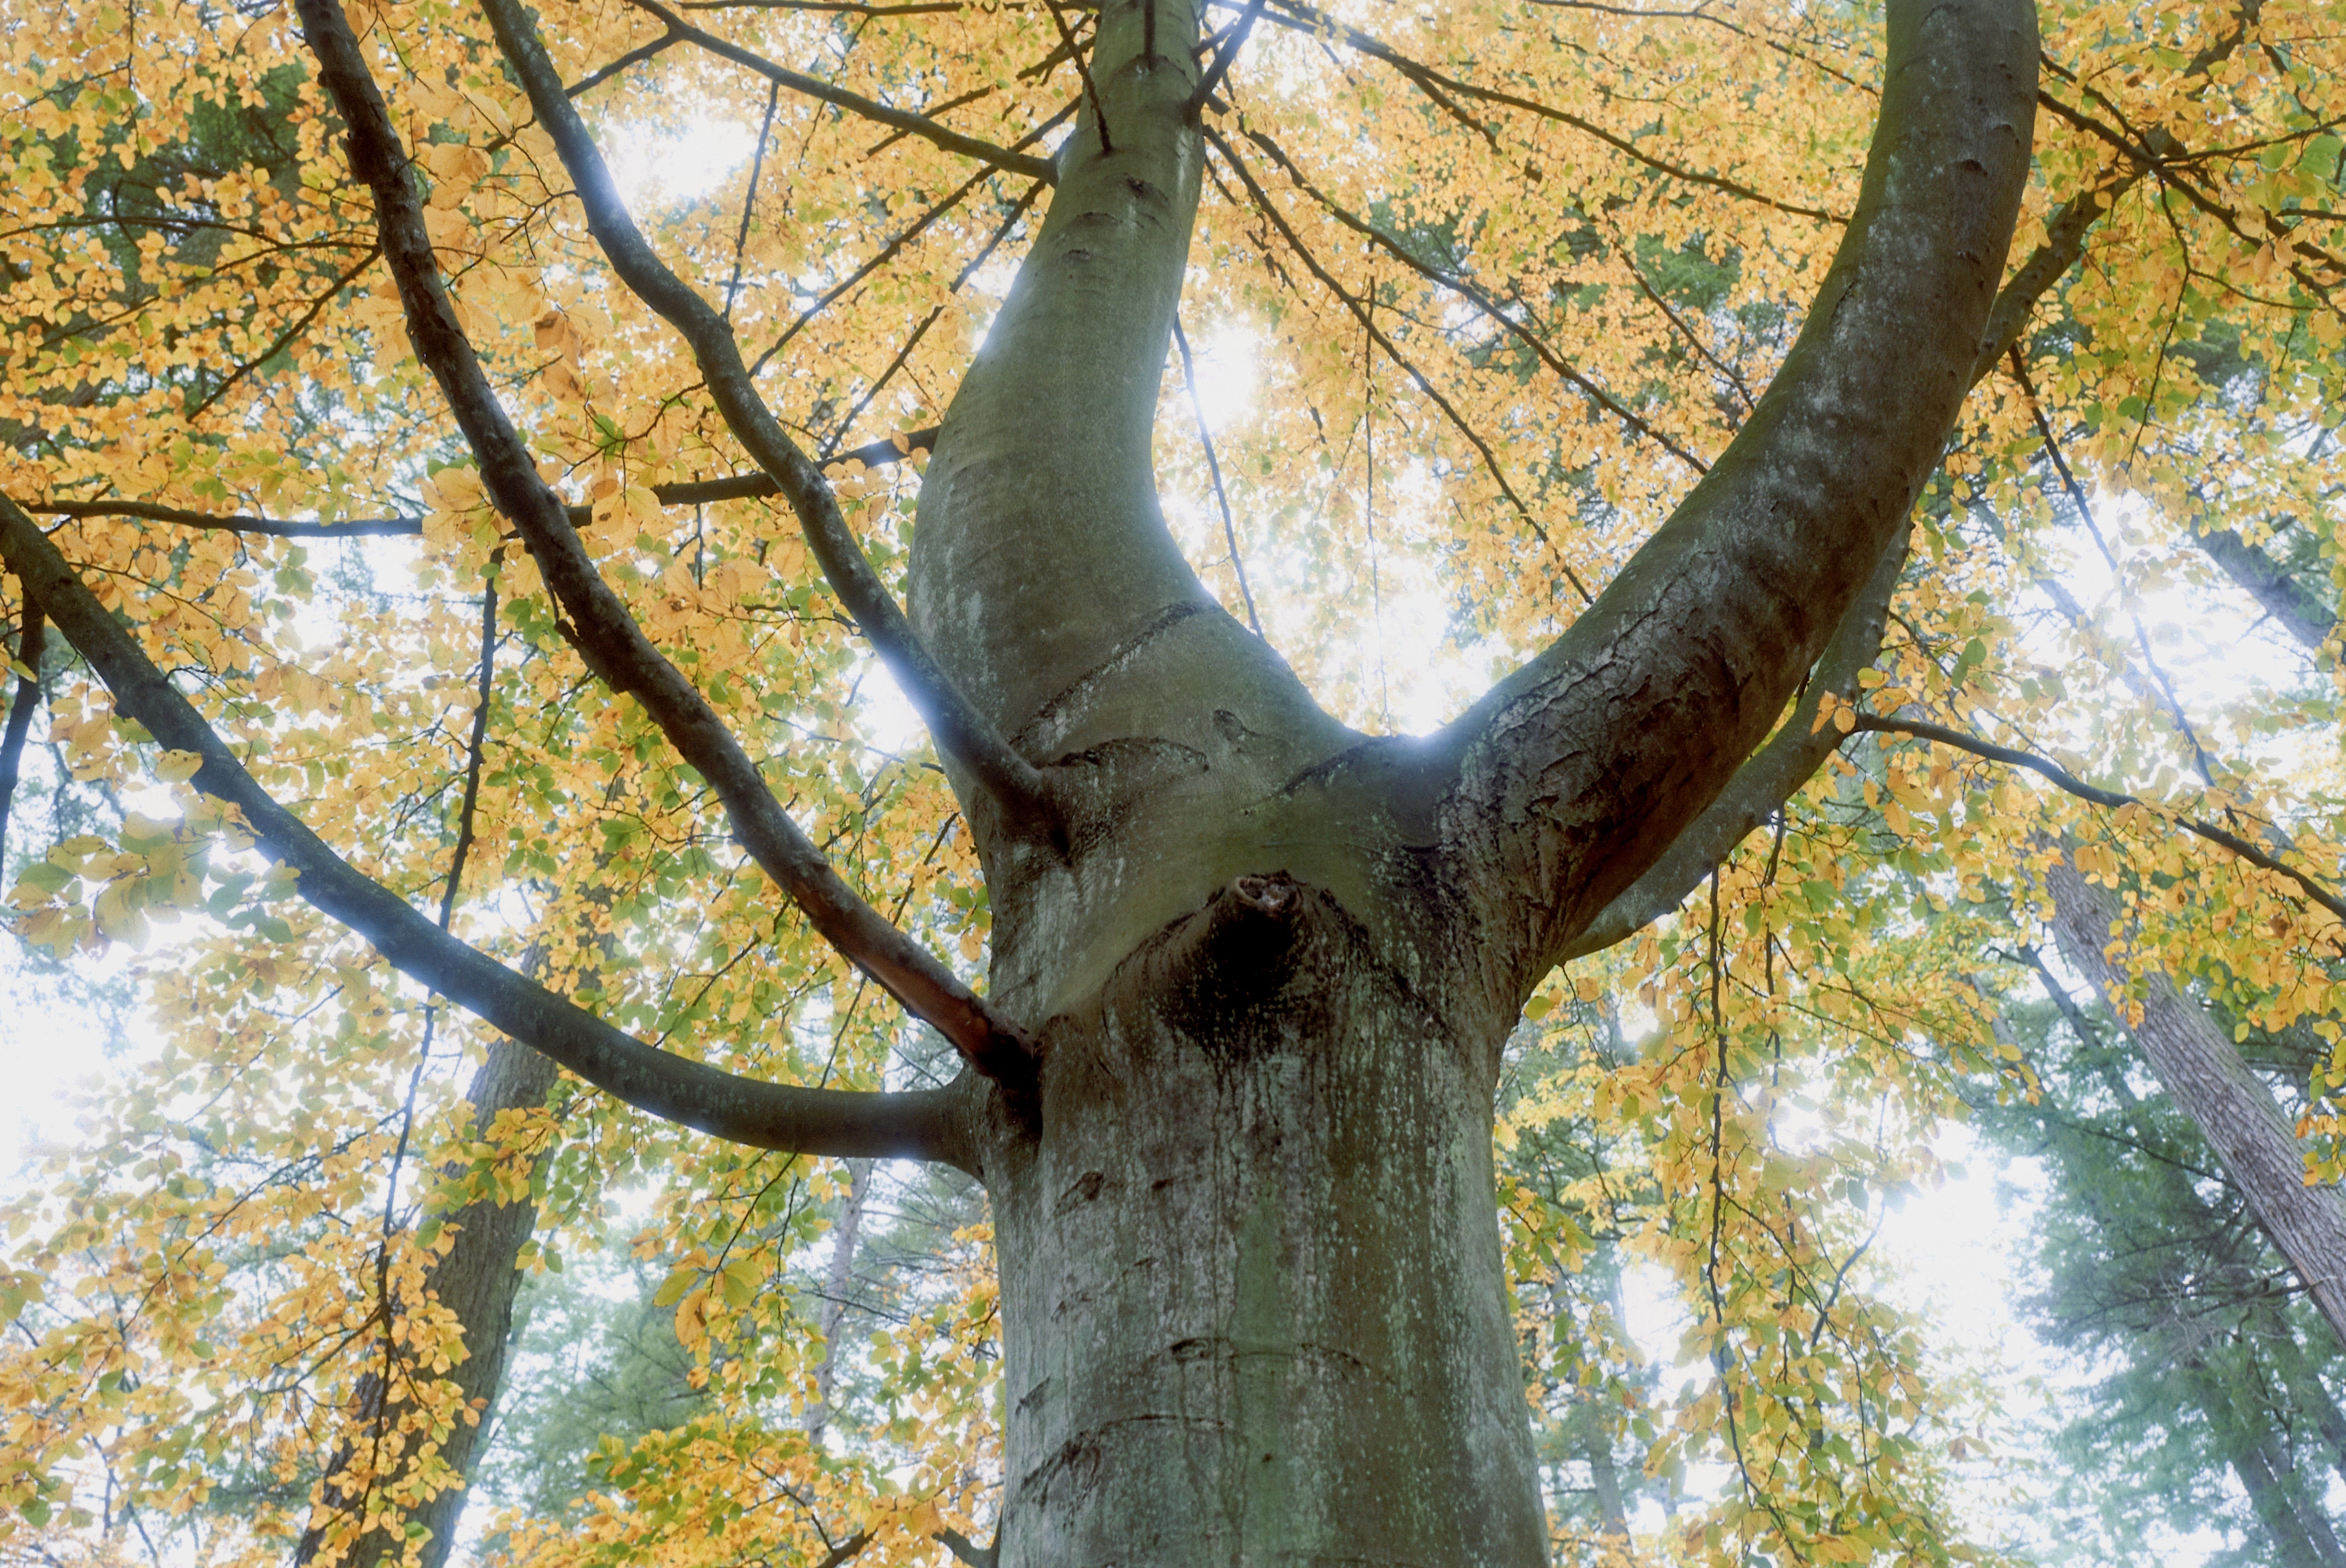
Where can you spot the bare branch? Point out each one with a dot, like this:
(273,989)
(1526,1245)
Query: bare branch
(1305,18)
(1228,53)
(743,1110)
(237,523)
(881,454)
(960,729)
(2061,776)
(1214,467)
(1377,335)
(635,57)
(1473,294)
(605,635)
(904,120)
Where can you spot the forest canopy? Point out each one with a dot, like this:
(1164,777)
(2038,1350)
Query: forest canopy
(1476,293)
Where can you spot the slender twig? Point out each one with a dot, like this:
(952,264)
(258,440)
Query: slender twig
(749,201)
(1214,467)
(1230,52)
(1482,301)
(2085,516)
(879,259)
(1263,203)
(300,324)
(1083,72)
(2061,777)
(880,454)
(635,57)
(855,103)
(1309,19)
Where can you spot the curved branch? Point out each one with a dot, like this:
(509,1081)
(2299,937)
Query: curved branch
(1016,783)
(1763,785)
(834,1122)
(613,646)
(1576,774)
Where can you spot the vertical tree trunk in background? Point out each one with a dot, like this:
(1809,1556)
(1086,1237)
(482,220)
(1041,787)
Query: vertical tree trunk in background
(477,1280)
(2202,1069)
(2300,1535)
(837,1280)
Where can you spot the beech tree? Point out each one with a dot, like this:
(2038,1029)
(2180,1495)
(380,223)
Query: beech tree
(1232,969)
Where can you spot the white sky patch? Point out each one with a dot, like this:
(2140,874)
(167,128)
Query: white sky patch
(652,165)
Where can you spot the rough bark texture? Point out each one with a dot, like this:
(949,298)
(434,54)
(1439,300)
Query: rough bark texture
(2202,1069)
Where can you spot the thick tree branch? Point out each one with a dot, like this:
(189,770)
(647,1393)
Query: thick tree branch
(920,1125)
(1577,772)
(1018,788)
(608,637)
(1763,785)
(904,120)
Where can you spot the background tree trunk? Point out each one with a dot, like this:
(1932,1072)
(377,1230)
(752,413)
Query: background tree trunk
(2203,1070)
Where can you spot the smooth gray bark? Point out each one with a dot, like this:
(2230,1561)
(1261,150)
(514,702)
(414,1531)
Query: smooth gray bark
(1253,1306)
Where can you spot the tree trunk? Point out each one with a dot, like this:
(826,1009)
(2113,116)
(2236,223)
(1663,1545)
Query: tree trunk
(477,1281)
(2203,1070)
(1253,1300)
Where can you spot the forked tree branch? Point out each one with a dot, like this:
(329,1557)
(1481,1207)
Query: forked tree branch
(1773,771)
(1017,786)
(840,1122)
(605,633)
